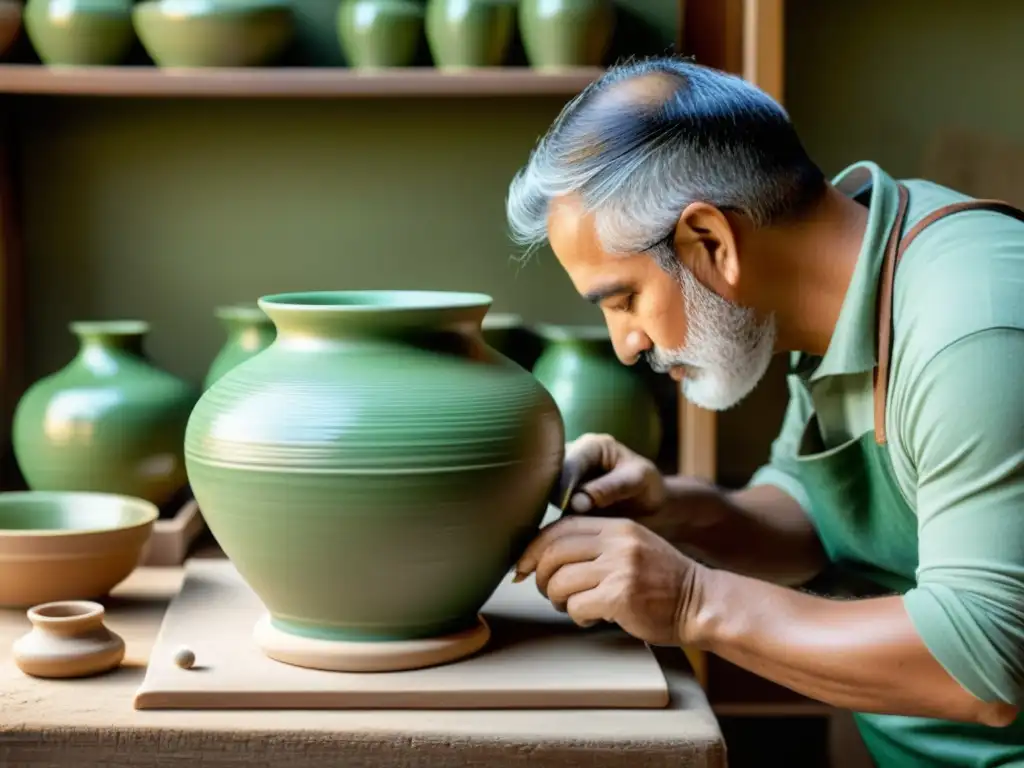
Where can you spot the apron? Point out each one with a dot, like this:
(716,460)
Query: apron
(870,532)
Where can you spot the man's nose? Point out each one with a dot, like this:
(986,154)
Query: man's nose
(630,344)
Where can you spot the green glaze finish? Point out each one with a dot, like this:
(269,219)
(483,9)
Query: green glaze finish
(249,332)
(594,391)
(380,33)
(61,513)
(469,33)
(214,33)
(80,32)
(374,473)
(109,421)
(566,33)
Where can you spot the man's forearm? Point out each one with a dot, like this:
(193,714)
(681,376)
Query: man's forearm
(760,532)
(863,655)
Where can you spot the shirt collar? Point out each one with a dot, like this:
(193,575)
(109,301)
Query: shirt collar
(852,348)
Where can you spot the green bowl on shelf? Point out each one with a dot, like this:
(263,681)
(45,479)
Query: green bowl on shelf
(214,33)
(69,545)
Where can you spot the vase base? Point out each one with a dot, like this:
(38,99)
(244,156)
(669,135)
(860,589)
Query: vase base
(389,656)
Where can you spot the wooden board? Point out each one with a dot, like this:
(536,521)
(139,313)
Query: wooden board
(536,659)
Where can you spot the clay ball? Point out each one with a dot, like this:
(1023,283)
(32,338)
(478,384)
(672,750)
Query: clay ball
(184,658)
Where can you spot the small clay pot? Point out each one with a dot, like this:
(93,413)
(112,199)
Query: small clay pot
(380,33)
(80,32)
(68,639)
(465,34)
(10,24)
(559,34)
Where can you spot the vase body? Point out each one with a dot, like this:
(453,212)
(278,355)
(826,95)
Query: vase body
(68,640)
(375,472)
(109,421)
(469,33)
(10,24)
(80,32)
(595,392)
(249,332)
(566,33)
(380,33)
(214,33)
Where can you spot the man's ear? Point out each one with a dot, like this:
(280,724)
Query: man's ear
(706,245)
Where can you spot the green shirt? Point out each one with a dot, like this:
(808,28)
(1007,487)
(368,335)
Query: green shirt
(955,419)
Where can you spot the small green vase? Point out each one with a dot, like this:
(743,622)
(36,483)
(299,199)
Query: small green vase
(80,32)
(380,33)
(375,473)
(559,34)
(249,331)
(109,421)
(594,391)
(469,33)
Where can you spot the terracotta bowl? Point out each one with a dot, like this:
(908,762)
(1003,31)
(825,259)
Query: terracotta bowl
(210,33)
(68,545)
(10,24)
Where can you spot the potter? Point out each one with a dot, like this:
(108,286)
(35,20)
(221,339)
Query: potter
(681,201)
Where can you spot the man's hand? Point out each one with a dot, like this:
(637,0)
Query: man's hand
(615,570)
(609,477)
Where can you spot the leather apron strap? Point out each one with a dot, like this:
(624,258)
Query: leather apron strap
(894,249)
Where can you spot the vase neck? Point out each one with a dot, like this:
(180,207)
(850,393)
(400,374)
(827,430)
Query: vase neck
(347,315)
(67,618)
(108,336)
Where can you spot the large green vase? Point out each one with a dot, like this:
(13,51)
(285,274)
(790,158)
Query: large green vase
(464,34)
(566,33)
(594,391)
(380,33)
(374,473)
(249,332)
(109,421)
(80,32)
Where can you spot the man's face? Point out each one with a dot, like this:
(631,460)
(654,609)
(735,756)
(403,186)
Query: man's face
(717,350)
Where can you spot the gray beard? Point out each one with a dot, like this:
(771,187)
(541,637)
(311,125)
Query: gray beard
(728,348)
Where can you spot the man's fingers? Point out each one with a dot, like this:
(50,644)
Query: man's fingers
(571,579)
(621,483)
(566,526)
(562,553)
(589,607)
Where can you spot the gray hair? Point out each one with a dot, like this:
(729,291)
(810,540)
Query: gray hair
(649,138)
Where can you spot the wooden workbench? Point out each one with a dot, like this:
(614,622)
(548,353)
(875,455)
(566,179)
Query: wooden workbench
(92,723)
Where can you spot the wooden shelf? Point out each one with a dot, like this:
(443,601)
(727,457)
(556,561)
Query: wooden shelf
(293,82)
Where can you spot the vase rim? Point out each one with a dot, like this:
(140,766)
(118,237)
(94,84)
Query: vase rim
(109,327)
(373,301)
(64,612)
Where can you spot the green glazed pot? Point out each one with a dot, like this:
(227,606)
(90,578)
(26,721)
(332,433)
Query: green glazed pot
(469,33)
(566,33)
(249,332)
(380,33)
(10,24)
(374,474)
(594,391)
(214,33)
(80,32)
(109,421)
(511,336)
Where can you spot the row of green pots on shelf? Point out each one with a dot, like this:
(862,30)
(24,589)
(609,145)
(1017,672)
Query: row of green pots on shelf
(371,33)
(112,421)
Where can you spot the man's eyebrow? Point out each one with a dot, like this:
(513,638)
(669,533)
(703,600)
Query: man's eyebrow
(598,295)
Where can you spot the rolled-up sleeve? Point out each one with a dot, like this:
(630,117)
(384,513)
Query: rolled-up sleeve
(964,430)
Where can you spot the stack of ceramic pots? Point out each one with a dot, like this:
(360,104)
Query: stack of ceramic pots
(344,470)
(109,421)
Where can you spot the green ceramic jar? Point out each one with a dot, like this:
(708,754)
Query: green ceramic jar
(375,472)
(214,33)
(249,331)
(109,421)
(594,391)
(380,33)
(566,33)
(469,33)
(80,32)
